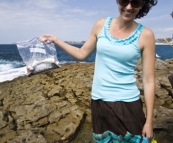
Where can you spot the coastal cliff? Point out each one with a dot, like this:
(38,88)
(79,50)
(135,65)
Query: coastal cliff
(54,106)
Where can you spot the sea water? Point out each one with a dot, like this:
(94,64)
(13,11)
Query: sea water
(12,65)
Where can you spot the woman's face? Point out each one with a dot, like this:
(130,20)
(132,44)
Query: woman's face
(127,9)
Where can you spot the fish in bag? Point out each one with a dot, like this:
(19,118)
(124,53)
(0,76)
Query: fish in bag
(37,55)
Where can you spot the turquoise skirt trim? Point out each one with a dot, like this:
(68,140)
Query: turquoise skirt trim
(109,137)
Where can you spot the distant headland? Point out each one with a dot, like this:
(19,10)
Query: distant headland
(75,42)
(160,41)
(164,41)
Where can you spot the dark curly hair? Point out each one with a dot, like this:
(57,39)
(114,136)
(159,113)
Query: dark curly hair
(148,4)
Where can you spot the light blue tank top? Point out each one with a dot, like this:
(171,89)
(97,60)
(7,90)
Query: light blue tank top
(115,62)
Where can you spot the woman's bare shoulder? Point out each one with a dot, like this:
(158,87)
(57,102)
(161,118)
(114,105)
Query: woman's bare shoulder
(147,38)
(99,25)
(147,33)
(100,22)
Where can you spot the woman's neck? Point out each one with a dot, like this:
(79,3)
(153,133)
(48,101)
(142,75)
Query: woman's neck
(122,29)
(122,24)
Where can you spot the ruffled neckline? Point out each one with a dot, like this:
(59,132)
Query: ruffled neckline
(125,41)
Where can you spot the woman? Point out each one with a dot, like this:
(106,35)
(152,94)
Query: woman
(117,113)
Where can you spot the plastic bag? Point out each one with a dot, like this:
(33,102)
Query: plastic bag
(37,55)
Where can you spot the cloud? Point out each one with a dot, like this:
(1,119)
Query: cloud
(68,19)
(169,29)
(24,19)
(160,24)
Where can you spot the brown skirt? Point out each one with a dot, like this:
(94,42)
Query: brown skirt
(117,117)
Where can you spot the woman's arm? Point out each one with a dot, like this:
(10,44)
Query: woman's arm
(77,53)
(147,41)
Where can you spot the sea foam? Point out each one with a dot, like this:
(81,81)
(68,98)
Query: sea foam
(11,74)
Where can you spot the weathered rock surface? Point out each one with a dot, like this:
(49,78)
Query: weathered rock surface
(54,106)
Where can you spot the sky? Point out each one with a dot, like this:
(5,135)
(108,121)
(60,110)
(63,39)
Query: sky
(71,20)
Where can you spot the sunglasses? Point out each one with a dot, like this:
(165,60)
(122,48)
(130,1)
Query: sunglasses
(134,3)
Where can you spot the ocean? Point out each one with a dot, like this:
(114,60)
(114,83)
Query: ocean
(12,65)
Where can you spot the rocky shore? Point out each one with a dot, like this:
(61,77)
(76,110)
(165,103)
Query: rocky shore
(54,106)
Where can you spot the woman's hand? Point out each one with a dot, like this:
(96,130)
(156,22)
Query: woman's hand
(148,131)
(48,38)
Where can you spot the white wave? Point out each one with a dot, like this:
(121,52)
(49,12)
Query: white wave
(64,62)
(7,65)
(12,74)
(157,56)
(9,72)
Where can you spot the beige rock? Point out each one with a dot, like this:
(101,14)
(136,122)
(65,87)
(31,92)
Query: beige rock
(53,106)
